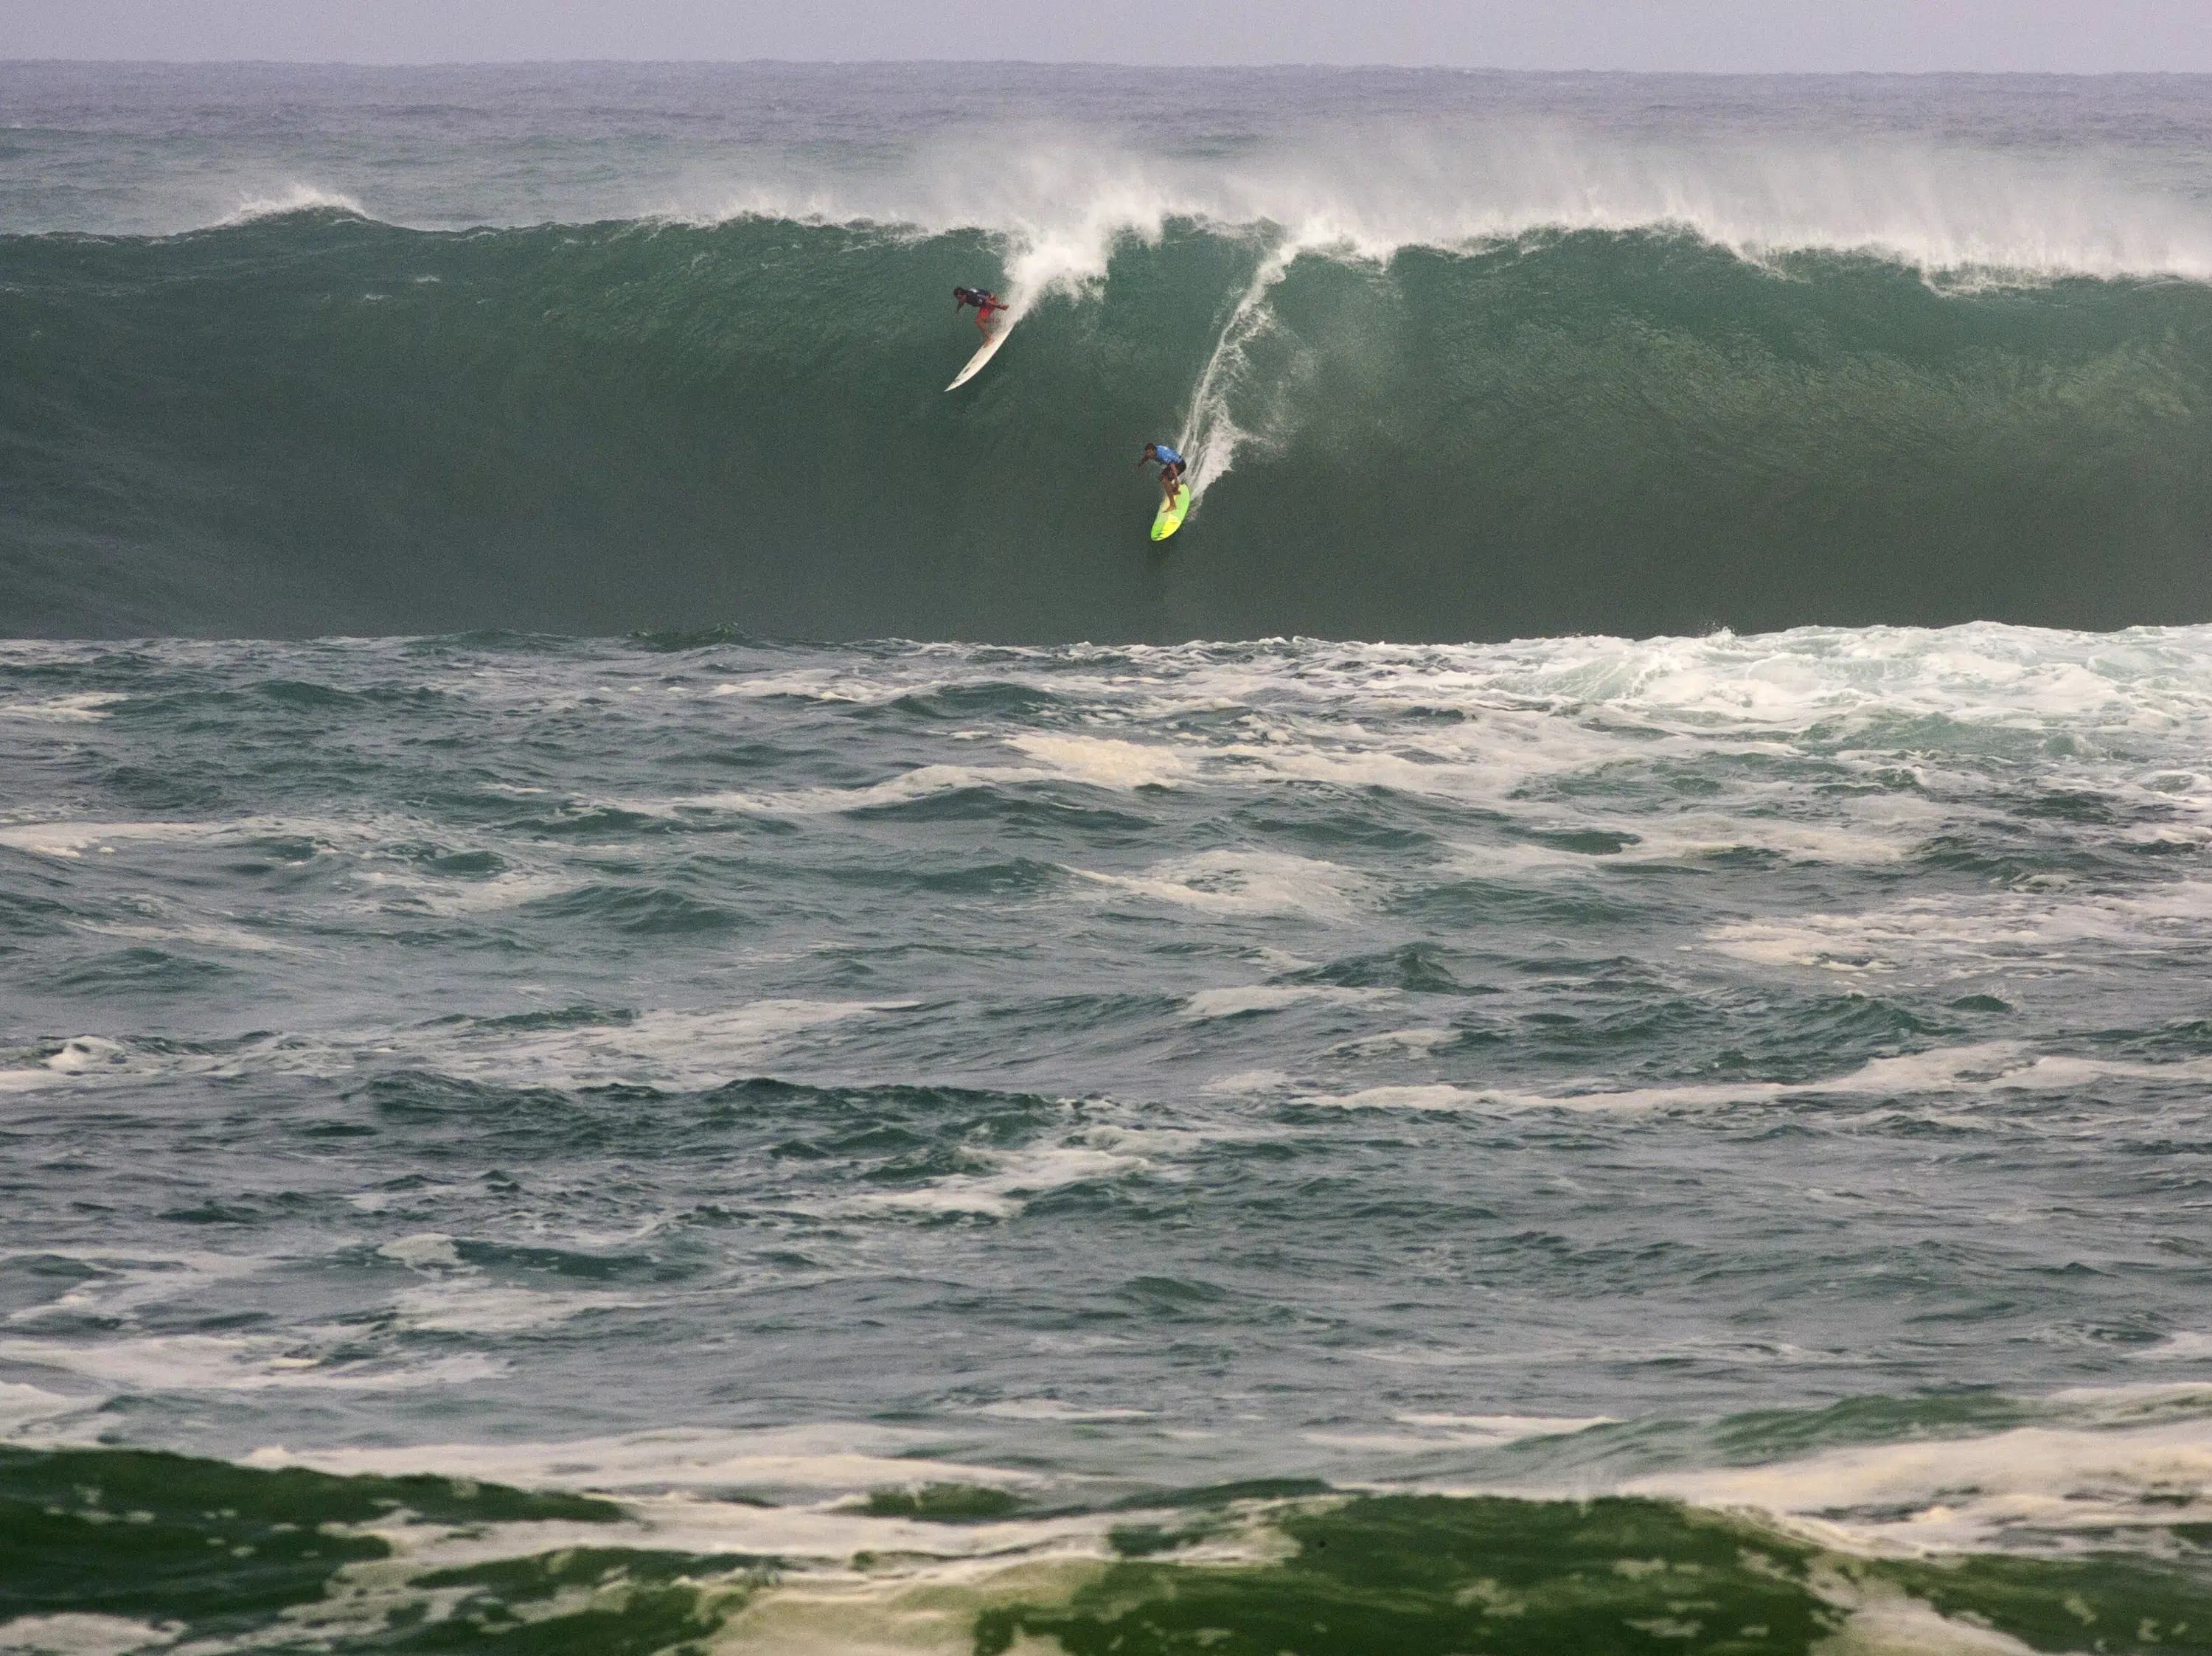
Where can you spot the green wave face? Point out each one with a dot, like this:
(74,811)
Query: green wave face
(148,1550)
(315,424)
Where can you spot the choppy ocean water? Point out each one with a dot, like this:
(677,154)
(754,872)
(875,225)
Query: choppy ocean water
(643,1136)
(1767,1073)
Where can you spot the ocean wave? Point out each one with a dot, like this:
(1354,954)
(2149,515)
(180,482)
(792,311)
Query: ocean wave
(1057,204)
(432,1559)
(312,422)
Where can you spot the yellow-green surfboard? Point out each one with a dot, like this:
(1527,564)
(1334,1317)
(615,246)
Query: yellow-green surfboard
(1170,515)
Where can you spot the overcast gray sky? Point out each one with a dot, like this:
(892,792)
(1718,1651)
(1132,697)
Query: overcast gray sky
(2088,36)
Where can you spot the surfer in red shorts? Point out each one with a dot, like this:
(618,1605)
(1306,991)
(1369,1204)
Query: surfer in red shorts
(987,306)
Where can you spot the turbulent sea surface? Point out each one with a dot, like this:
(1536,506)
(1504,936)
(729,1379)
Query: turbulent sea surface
(638,1137)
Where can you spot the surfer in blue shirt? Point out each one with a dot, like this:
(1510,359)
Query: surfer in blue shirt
(1172,466)
(987,306)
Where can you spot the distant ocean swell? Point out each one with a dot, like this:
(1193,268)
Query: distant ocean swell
(309,422)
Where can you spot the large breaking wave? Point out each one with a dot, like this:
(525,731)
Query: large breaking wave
(1547,399)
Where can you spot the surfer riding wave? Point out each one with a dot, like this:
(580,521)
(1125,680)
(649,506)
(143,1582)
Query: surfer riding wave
(1172,466)
(986,305)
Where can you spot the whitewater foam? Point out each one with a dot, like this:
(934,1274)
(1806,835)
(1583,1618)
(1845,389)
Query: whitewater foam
(294,198)
(86,709)
(1243,883)
(1271,998)
(2034,1484)
(1012,1180)
(150,1365)
(833,1460)
(1991,1068)
(1967,217)
(76,1634)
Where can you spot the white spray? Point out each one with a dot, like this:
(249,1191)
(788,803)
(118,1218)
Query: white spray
(1210,433)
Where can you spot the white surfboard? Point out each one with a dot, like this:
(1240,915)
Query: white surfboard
(989,350)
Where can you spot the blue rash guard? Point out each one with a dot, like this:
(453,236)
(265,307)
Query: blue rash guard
(1167,457)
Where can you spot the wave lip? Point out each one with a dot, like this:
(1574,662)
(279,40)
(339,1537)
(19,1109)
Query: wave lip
(1057,203)
(293,198)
